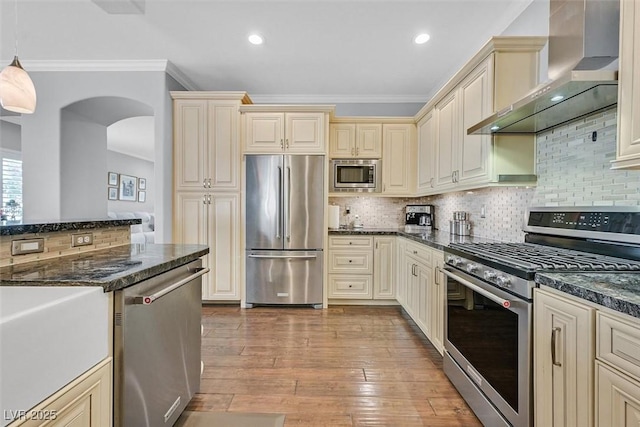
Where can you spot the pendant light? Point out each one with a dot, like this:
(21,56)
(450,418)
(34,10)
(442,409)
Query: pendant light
(17,92)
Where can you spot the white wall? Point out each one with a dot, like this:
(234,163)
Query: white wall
(379,109)
(533,21)
(83,158)
(133,166)
(41,136)
(10,136)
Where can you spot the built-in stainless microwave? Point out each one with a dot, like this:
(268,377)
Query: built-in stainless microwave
(357,175)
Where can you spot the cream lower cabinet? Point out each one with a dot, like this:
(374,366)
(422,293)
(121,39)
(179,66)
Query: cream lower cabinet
(422,285)
(617,371)
(628,141)
(362,267)
(563,361)
(85,402)
(384,267)
(212,219)
(350,267)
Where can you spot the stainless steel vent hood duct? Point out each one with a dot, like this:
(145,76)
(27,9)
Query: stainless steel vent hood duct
(583,76)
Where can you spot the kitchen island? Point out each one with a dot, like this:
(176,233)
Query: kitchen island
(59,310)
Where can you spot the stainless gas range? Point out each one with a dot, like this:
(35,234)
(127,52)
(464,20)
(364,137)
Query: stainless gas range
(488,332)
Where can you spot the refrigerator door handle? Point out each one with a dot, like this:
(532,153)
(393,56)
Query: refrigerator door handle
(288,219)
(279,210)
(283,256)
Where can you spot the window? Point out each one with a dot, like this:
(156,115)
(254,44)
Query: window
(11,187)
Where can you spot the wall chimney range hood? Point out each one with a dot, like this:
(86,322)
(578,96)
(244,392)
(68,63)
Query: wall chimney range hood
(583,75)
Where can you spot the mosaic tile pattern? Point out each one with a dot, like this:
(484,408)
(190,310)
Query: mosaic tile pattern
(504,210)
(57,244)
(574,170)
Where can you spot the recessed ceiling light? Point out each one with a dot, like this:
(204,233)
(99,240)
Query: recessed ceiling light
(557,98)
(256,39)
(495,127)
(422,38)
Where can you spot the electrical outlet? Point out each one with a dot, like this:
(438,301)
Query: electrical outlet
(81,239)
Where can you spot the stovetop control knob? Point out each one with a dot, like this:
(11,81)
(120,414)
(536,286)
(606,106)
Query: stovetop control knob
(472,268)
(490,276)
(450,259)
(458,261)
(503,282)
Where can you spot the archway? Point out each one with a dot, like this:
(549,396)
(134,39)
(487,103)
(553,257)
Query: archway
(84,166)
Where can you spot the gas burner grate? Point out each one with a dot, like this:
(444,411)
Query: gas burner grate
(537,257)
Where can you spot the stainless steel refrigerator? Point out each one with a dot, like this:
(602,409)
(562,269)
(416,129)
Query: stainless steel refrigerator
(284,229)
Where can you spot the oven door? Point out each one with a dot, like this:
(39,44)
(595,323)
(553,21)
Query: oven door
(488,349)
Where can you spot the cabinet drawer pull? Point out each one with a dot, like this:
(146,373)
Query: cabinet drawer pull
(554,342)
(350,261)
(351,243)
(415,252)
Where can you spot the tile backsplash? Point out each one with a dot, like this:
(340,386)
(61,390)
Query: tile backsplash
(573,170)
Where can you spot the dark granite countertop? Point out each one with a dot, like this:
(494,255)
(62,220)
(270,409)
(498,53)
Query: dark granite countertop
(12,229)
(113,268)
(437,239)
(617,291)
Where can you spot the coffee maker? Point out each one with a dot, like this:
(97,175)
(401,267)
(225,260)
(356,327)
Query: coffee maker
(419,218)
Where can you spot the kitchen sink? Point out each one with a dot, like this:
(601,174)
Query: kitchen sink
(48,337)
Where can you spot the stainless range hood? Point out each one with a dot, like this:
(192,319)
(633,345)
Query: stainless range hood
(583,76)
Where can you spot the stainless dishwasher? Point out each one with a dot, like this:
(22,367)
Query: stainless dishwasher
(157,340)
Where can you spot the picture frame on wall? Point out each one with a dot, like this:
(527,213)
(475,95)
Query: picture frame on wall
(128,190)
(113,193)
(142,183)
(113,179)
(142,196)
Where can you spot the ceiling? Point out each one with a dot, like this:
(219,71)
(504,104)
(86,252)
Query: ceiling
(328,51)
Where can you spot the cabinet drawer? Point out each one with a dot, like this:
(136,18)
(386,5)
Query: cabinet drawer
(619,343)
(357,286)
(348,242)
(351,262)
(419,252)
(617,398)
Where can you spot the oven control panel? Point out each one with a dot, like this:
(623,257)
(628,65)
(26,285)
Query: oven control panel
(606,222)
(509,282)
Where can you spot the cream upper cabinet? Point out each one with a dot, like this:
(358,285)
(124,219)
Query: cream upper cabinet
(476,103)
(504,70)
(398,160)
(628,148)
(293,132)
(355,140)
(206,143)
(426,153)
(447,141)
(563,361)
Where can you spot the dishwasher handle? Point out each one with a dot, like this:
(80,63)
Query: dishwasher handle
(149,299)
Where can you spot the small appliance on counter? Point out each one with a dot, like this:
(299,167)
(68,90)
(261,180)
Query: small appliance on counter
(357,222)
(460,226)
(334,217)
(419,218)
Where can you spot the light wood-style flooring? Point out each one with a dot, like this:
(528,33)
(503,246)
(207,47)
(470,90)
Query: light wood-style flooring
(343,366)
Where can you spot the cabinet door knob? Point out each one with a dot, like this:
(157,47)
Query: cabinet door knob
(282,143)
(350,260)
(351,286)
(351,243)
(353,151)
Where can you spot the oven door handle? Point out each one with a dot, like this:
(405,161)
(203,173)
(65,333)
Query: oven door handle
(503,302)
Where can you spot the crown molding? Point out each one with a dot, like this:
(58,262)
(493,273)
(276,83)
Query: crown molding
(163,65)
(338,99)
